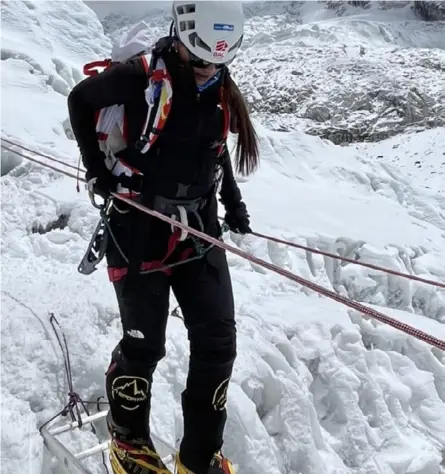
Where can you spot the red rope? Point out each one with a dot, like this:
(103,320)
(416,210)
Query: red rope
(349,260)
(9,142)
(439,343)
(43,164)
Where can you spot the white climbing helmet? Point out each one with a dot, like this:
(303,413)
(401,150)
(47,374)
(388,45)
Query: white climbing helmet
(211,30)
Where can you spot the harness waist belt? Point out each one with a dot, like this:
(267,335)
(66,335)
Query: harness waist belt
(180,208)
(171,206)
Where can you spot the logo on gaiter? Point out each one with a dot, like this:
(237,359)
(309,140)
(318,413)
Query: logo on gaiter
(130,391)
(220,395)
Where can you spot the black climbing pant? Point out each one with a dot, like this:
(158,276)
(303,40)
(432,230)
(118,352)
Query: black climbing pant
(204,292)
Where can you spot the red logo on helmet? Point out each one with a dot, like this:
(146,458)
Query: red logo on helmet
(221,48)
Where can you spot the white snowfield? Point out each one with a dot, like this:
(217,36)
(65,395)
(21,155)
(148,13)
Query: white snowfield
(317,389)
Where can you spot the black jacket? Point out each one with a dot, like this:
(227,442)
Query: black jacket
(184,153)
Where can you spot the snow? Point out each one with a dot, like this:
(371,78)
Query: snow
(317,388)
(364,76)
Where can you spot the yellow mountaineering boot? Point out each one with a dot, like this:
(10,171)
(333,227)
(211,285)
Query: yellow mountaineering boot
(133,455)
(218,465)
(134,458)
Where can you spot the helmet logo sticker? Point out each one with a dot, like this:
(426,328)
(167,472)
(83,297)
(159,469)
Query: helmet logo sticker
(223,27)
(221,48)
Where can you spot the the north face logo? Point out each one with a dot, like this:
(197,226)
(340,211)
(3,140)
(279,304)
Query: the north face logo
(221,48)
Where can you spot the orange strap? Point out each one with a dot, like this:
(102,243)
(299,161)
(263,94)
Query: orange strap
(90,68)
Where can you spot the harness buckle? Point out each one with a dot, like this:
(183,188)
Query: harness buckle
(180,208)
(183,218)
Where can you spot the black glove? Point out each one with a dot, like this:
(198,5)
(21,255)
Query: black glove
(102,183)
(238,219)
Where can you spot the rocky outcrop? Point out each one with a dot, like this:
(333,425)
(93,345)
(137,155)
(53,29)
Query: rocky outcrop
(426,10)
(347,94)
(352,80)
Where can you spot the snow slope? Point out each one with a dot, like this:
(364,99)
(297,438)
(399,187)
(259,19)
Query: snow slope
(317,389)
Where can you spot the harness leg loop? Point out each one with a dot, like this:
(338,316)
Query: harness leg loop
(184,220)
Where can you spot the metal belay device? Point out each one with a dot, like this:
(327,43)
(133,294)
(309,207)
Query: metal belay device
(99,240)
(72,462)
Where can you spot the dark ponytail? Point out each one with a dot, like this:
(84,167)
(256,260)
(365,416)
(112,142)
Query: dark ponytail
(247,154)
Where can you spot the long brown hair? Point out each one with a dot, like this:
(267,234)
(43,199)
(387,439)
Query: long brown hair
(247,154)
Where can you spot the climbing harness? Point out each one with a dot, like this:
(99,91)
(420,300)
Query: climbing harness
(180,208)
(177,209)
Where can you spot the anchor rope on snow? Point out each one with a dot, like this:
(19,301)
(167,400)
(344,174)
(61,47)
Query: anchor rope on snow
(421,335)
(350,260)
(74,399)
(72,407)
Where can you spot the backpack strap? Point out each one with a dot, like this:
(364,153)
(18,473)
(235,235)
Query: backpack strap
(90,68)
(226,112)
(159,98)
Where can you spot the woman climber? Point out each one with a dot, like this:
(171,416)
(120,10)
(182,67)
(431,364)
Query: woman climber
(154,128)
